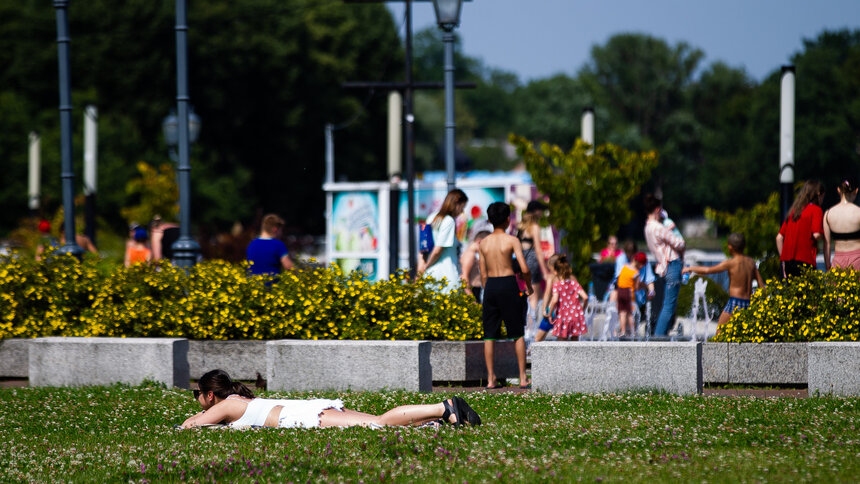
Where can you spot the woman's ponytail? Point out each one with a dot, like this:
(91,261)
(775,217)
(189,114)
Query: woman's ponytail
(241,389)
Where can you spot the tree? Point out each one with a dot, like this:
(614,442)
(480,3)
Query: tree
(589,194)
(759,225)
(264,75)
(482,114)
(156,193)
(550,110)
(641,78)
(828,108)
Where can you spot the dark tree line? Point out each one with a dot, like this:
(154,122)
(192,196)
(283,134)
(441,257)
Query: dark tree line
(265,77)
(715,128)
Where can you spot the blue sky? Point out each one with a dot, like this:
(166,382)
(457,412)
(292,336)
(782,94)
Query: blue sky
(538,38)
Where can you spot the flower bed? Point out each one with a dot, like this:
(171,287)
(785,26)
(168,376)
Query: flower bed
(816,306)
(219,301)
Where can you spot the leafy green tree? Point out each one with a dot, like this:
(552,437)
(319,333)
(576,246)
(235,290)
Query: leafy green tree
(720,101)
(827,119)
(643,82)
(641,78)
(551,110)
(155,191)
(264,75)
(482,114)
(589,194)
(759,225)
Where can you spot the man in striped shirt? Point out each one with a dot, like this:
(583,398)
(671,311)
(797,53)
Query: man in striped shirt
(667,249)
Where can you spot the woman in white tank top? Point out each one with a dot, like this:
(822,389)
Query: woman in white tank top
(233,403)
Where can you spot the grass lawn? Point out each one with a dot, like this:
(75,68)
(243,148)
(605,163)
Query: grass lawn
(123,433)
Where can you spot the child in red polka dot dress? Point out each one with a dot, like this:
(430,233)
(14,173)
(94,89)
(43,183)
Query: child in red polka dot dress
(569,323)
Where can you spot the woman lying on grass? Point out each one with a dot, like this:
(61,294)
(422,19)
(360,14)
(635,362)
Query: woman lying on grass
(225,401)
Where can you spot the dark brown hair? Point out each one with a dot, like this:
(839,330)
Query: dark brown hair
(848,185)
(562,267)
(651,203)
(809,193)
(220,383)
(454,198)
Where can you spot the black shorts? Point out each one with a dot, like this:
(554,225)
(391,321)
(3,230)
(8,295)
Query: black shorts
(793,268)
(503,302)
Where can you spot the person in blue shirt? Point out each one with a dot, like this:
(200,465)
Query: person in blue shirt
(267,253)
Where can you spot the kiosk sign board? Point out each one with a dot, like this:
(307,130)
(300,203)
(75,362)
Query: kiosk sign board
(358,217)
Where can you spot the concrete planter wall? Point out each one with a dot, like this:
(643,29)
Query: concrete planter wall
(593,366)
(301,365)
(243,360)
(755,363)
(59,362)
(458,361)
(834,368)
(827,368)
(14,358)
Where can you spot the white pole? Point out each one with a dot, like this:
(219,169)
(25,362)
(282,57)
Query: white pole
(588,128)
(395,134)
(35,175)
(91,117)
(786,138)
(329,153)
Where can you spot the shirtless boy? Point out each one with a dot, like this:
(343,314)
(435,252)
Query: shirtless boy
(742,271)
(503,299)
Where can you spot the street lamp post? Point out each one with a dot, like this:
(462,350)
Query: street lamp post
(786,140)
(67,174)
(448,17)
(186,249)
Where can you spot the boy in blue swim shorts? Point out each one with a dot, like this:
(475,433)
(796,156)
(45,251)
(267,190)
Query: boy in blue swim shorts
(742,271)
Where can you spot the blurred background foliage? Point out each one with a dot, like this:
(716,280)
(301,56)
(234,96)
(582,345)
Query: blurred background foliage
(265,77)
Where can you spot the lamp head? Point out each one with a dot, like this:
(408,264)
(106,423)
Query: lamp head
(447,13)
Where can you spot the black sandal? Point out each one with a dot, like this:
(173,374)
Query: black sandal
(452,408)
(472,416)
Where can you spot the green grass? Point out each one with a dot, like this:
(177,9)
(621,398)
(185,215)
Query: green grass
(123,433)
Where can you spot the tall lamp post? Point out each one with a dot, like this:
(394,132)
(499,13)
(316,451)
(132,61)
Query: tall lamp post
(186,249)
(786,140)
(67,174)
(448,17)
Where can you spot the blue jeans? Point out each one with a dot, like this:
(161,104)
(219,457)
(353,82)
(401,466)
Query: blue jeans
(670,298)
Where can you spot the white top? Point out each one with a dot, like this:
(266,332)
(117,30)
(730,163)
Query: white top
(296,413)
(448,264)
(665,246)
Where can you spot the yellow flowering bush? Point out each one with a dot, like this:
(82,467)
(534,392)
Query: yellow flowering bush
(816,306)
(60,296)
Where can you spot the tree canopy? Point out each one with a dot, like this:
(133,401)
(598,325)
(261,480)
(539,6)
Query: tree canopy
(265,77)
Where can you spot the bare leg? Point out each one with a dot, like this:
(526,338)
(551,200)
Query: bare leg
(541,335)
(402,416)
(520,348)
(489,352)
(724,318)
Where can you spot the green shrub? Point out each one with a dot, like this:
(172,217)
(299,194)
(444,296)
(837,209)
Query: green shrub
(60,296)
(816,306)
